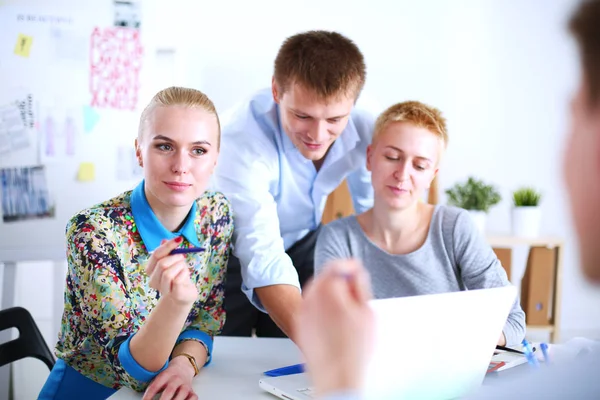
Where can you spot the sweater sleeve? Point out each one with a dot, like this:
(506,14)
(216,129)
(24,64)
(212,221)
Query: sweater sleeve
(331,244)
(481,269)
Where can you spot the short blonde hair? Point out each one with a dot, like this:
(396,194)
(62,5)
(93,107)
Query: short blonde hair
(180,96)
(415,113)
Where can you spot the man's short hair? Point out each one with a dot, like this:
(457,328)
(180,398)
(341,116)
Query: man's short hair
(585,26)
(327,63)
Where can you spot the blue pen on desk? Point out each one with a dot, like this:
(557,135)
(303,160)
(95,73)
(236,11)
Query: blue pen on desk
(529,354)
(544,348)
(187,250)
(291,370)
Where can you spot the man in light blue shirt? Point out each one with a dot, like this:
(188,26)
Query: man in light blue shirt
(283,152)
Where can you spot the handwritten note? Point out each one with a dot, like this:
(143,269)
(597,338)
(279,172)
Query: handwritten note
(25,105)
(87,172)
(23,46)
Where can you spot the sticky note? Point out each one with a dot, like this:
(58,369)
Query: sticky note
(90,118)
(87,172)
(23,45)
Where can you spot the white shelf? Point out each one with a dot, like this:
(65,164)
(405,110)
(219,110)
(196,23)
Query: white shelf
(510,241)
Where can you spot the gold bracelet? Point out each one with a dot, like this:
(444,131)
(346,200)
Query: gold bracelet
(192,361)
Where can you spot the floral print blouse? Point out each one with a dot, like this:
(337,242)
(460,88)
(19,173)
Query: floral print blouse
(107,294)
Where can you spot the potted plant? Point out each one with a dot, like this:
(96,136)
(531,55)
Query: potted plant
(526,212)
(475,196)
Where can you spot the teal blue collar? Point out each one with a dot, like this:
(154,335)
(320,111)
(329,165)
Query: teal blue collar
(150,228)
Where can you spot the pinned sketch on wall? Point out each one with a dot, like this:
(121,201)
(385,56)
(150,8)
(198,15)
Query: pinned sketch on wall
(128,168)
(59,130)
(127,14)
(23,46)
(13,132)
(25,194)
(115,64)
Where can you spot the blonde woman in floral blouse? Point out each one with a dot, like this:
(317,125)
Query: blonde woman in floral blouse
(135,315)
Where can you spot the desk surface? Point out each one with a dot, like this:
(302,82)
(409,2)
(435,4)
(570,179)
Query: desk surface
(237,366)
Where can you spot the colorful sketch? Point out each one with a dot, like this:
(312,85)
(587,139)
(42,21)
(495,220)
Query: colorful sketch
(25,194)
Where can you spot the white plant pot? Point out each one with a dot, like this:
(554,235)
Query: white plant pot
(526,221)
(479,218)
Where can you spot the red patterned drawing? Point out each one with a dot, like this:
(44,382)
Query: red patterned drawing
(115,64)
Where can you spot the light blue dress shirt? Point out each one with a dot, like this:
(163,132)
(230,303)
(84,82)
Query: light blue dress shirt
(277,195)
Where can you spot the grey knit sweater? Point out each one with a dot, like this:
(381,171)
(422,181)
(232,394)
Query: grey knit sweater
(454,257)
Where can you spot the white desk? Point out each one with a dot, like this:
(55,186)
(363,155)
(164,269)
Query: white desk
(237,366)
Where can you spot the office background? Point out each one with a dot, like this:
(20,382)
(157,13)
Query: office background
(501,71)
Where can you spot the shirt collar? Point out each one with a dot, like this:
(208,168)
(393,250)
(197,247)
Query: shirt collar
(288,146)
(150,228)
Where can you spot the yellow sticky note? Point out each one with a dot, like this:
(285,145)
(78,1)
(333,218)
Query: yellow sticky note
(87,172)
(23,45)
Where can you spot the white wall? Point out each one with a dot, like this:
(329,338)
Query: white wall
(502,72)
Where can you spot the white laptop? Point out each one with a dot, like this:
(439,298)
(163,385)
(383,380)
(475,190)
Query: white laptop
(426,347)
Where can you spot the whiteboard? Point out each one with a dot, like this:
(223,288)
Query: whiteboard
(76,119)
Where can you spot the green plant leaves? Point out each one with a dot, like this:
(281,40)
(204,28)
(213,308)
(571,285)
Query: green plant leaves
(473,195)
(526,196)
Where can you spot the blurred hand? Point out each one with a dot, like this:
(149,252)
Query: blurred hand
(170,275)
(335,327)
(175,382)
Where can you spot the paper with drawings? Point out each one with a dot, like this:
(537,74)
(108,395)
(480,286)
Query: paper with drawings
(59,129)
(13,133)
(25,194)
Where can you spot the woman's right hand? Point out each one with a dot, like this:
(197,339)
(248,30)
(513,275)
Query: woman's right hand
(170,275)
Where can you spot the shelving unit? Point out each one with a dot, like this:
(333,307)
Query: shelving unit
(541,287)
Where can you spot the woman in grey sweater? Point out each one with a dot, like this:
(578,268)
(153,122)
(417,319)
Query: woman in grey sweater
(410,247)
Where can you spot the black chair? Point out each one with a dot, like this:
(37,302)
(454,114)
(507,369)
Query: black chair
(30,342)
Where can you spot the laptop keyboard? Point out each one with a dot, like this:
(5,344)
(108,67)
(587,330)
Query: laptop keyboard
(309,392)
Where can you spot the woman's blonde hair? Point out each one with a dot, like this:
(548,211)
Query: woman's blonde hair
(180,96)
(416,113)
